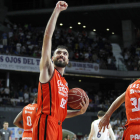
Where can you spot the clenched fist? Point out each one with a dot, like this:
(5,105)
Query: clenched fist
(61,5)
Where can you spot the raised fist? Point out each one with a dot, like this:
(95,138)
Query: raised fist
(61,5)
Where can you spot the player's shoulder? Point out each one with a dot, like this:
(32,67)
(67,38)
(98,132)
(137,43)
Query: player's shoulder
(35,105)
(95,121)
(26,106)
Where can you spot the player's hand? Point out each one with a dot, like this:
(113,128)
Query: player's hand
(104,122)
(61,5)
(84,105)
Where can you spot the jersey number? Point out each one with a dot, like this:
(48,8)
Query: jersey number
(63,102)
(136,103)
(29,123)
(98,135)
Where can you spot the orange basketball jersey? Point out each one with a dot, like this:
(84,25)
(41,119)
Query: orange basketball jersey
(53,96)
(132,103)
(29,115)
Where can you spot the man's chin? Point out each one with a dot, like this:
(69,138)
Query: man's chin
(61,65)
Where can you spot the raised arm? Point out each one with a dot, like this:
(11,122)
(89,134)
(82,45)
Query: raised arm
(46,67)
(18,119)
(115,105)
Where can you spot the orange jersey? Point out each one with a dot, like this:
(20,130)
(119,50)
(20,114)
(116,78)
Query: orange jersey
(29,115)
(132,103)
(132,133)
(53,96)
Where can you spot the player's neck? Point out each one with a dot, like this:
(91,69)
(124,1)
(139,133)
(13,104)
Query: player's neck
(61,70)
(5,128)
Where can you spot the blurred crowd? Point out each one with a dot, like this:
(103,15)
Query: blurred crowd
(100,102)
(24,40)
(20,96)
(132,56)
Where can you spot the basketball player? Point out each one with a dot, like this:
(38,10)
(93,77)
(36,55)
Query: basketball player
(52,87)
(132,105)
(27,115)
(94,132)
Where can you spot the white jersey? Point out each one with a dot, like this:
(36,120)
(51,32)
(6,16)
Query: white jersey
(99,135)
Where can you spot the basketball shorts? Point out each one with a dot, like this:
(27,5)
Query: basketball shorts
(47,128)
(27,135)
(132,132)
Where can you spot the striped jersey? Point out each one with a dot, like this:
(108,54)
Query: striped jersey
(53,96)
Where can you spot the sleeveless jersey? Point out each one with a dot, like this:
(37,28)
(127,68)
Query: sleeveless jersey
(132,103)
(29,115)
(53,96)
(99,135)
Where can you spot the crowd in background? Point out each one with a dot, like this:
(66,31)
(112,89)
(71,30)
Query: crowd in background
(19,96)
(132,56)
(24,93)
(27,41)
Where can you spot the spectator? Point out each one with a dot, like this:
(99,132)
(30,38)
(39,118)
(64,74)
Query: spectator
(21,93)
(7,91)
(4,35)
(26,97)
(5,133)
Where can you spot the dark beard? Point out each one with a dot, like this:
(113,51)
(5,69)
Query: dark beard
(60,64)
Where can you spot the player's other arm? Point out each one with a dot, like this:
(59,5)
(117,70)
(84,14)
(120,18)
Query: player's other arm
(46,67)
(18,119)
(91,132)
(84,106)
(111,133)
(115,105)
(10,138)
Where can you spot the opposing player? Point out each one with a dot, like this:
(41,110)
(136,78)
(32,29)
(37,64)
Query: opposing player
(94,132)
(52,87)
(132,105)
(27,115)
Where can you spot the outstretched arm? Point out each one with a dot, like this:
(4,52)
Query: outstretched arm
(84,106)
(17,120)
(46,68)
(106,118)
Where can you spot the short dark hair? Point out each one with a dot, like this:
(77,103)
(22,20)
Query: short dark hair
(61,47)
(101,113)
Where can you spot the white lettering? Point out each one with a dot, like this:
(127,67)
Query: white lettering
(63,102)
(62,90)
(30,108)
(131,91)
(134,91)
(29,123)
(135,137)
(134,85)
(28,112)
(137,86)
(137,119)
(136,103)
